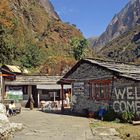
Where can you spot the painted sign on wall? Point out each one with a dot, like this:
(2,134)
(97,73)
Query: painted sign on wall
(14,93)
(78,88)
(126,98)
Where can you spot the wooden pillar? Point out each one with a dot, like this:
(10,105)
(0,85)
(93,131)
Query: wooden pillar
(39,95)
(29,91)
(38,99)
(71,92)
(62,90)
(54,94)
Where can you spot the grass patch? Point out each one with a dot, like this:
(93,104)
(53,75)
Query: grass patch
(127,131)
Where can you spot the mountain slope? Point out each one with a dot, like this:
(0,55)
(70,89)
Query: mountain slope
(125,48)
(39,17)
(27,23)
(49,8)
(126,19)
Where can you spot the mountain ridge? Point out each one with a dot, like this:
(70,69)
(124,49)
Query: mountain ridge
(126,19)
(49,8)
(124,48)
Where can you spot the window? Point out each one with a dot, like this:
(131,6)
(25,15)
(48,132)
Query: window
(100,90)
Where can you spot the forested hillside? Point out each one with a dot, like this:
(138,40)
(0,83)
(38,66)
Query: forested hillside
(33,36)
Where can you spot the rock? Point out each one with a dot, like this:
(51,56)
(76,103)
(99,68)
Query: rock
(16,126)
(2,108)
(4,121)
(102,131)
(7,129)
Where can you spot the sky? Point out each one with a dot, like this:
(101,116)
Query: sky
(90,16)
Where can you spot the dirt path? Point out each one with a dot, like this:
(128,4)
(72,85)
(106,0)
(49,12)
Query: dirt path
(44,126)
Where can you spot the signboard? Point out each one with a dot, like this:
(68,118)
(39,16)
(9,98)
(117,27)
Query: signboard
(14,93)
(78,88)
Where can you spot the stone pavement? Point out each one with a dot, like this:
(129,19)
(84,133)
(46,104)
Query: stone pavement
(45,126)
(103,133)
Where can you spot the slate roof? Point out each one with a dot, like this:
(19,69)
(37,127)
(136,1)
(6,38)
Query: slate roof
(129,71)
(125,70)
(33,80)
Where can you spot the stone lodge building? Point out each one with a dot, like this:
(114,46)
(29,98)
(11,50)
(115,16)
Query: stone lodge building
(97,83)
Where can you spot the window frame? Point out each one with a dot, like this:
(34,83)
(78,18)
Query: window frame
(97,87)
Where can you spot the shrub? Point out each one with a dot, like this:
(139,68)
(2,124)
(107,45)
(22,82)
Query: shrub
(127,116)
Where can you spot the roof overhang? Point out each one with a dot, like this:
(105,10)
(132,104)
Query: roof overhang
(51,87)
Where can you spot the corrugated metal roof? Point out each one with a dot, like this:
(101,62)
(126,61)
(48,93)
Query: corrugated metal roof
(16,69)
(5,71)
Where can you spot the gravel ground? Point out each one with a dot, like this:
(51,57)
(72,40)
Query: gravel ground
(45,126)
(38,125)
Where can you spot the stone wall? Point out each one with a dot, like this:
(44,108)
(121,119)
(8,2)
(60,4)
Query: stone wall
(82,102)
(87,71)
(124,92)
(126,96)
(7,129)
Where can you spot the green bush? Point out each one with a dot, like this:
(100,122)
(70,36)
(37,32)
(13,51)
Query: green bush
(127,116)
(32,56)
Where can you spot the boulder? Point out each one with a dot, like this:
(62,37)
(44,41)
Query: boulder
(2,109)
(7,129)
